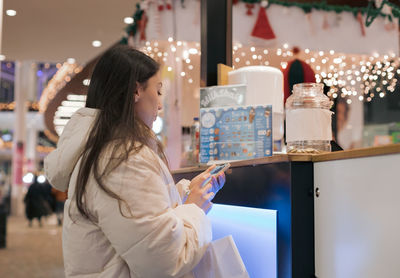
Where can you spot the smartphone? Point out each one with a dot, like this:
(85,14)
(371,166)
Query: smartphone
(216,170)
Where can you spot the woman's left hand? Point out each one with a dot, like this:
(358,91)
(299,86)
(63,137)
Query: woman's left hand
(217,181)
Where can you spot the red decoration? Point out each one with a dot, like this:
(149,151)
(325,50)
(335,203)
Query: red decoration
(160,8)
(169,6)
(142,26)
(262,29)
(235,2)
(360,20)
(249,9)
(308,76)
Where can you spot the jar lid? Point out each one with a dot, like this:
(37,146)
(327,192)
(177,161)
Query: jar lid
(308,95)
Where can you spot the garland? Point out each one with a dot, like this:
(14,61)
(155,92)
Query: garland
(370,11)
(131,29)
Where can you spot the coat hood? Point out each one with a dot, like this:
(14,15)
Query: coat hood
(60,163)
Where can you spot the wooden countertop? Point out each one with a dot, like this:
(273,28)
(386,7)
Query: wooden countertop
(356,153)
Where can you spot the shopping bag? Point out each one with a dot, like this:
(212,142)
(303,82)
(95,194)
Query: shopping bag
(221,260)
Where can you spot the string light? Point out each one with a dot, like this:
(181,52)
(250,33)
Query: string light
(352,75)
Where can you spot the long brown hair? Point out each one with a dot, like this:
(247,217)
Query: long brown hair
(117,127)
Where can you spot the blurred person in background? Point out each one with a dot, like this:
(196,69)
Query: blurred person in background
(36,202)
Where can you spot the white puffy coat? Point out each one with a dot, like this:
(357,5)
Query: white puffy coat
(163,238)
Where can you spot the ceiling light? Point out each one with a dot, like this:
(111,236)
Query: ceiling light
(11,12)
(128,20)
(96,43)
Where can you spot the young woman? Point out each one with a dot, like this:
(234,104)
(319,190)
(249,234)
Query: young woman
(124,216)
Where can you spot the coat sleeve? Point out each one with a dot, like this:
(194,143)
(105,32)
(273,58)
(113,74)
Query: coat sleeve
(182,186)
(154,239)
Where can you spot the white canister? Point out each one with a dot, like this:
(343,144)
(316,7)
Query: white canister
(264,87)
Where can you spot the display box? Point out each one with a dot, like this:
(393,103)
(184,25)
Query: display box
(235,133)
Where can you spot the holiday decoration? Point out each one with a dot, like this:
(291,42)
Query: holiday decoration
(168,4)
(160,6)
(142,26)
(360,20)
(375,8)
(249,7)
(262,29)
(296,71)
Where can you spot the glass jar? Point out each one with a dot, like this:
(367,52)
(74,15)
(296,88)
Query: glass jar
(308,119)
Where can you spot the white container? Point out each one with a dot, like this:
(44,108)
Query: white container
(264,87)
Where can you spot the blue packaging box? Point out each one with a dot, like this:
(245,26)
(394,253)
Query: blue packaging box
(235,133)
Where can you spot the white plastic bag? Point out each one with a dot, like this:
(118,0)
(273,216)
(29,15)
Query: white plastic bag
(221,260)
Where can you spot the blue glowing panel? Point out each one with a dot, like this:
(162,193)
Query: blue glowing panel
(254,232)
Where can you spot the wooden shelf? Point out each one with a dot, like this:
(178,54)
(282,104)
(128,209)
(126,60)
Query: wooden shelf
(356,153)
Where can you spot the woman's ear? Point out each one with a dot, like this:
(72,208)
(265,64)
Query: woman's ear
(137,92)
(136,97)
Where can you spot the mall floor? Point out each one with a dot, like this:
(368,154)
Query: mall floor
(32,251)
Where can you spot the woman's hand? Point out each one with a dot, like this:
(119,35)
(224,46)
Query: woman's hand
(202,195)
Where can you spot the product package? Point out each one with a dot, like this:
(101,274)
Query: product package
(234,133)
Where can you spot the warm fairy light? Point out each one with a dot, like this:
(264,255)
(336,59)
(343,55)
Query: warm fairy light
(183,73)
(193,51)
(307,50)
(169,69)
(265,51)
(237,60)
(178,43)
(190,80)
(170,39)
(252,49)
(11,12)
(254,57)
(190,67)
(96,43)
(128,20)
(285,46)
